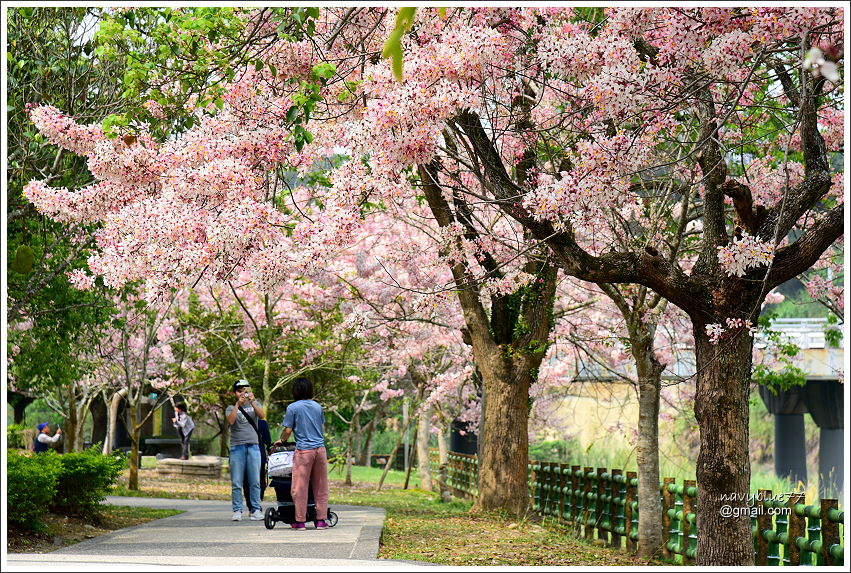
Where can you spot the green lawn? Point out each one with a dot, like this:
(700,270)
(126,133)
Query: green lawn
(419,527)
(372,475)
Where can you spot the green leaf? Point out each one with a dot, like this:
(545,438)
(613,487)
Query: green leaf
(24,258)
(292,113)
(324,70)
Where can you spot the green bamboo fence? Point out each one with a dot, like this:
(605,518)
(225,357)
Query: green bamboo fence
(601,504)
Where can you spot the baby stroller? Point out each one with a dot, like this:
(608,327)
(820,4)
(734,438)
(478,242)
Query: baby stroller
(286,507)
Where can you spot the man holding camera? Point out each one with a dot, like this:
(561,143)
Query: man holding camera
(43,440)
(242,418)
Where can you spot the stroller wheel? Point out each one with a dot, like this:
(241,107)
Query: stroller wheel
(332,519)
(270,518)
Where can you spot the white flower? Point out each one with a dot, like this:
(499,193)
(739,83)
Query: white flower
(743,254)
(821,67)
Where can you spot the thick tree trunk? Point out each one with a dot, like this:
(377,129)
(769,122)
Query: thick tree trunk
(723,465)
(99,420)
(135,431)
(19,404)
(423,465)
(647,456)
(112,422)
(509,344)
(82,411)
(442,448)
(503,480)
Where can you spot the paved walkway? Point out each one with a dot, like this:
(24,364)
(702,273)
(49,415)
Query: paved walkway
(204,536)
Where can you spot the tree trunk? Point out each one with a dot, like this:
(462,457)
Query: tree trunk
(19,404)
(224,441)
(100,420)
(366,452)
(442,448)
(503,482)
(723,465)
(423,465)
(350,442)
(509,344)
(135,431)
(70,430)
(647,456)
(442,460)
(112,423)
(82,411)
(392,457)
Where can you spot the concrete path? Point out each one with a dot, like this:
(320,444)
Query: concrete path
(204,536)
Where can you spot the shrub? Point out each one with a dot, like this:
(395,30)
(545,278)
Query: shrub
(32,481)
(85,480)
(16,436)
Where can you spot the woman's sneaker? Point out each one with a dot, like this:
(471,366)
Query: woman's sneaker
(299,526)
(321,524)
(237,516)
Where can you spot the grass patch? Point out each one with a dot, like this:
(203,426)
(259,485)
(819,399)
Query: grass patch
(372,475)
(418,527)
(61,531)
(151,484)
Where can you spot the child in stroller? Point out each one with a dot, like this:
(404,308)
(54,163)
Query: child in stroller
(286,507)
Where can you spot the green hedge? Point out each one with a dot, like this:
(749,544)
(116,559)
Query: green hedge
(32,481)
(15,437)
(86,479)
(72,484)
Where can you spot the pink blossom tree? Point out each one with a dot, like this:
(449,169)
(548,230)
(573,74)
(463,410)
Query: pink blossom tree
(524,130)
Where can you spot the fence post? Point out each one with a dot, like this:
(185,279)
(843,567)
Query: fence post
(630,497)
(763,522)
(575,493)
(615,509)
(548,488)
(829,530)
(443,483)
(795,529)
(667,503)
(586,494)
(562,495)
(601,507)
(536,488)
(689,526)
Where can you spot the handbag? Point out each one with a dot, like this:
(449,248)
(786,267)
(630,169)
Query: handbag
(281,460)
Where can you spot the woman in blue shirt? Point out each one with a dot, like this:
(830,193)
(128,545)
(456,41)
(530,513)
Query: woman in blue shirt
(305,420)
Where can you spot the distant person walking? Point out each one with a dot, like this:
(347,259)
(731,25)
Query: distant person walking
(43,439)
(305,419)
(185,426)
(242,418)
